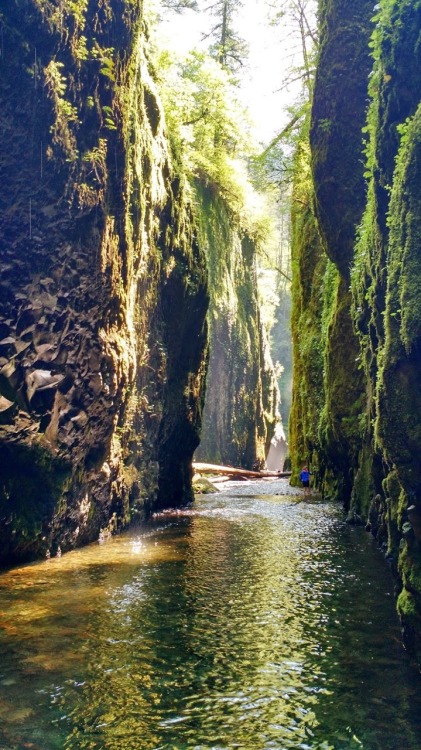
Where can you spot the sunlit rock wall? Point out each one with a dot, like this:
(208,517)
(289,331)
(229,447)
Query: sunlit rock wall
(103,288)
(308,320)
(242,396)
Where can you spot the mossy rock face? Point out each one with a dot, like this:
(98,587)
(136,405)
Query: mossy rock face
(398,423)
(328,393)
(33,484)
(398,85)
(387,304)
(369,431)
(382,455)
(333,437)
(95,232)
(345,393)
(339,109)
(409,608)
(242,396)
(309,265)
(184,303)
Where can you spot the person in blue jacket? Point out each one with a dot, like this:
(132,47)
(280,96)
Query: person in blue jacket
(305,479)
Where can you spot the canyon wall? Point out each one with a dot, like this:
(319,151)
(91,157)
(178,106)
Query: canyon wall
(357,396)
(242,395)
(103,285)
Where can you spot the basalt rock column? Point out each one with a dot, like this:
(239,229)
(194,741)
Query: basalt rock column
(95,238)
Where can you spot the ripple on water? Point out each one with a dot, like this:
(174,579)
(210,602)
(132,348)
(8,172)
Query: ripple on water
(252,620)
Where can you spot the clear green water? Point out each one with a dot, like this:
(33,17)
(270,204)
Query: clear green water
(251,621)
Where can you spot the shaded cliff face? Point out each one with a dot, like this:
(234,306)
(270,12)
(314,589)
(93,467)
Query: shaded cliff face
(103,288)
(369,432)
(241,393)
(395,211)
(309,266)
(328,385)
(338,115)
(336,139)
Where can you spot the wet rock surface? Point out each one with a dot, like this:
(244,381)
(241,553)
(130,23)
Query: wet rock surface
(363,439)
(86,351)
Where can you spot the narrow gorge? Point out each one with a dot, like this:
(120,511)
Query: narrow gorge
(137,336)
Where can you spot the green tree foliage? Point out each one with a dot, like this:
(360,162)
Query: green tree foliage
(297,21)
(276,166)
(298,18)
(178,6)
(211,134)
(209,127)
(227,46)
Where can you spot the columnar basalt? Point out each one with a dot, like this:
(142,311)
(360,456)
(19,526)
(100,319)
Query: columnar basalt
(103,285)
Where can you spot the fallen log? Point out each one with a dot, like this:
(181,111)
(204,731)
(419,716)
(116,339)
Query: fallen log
(239,473)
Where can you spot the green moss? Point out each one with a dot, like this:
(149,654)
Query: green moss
(363,489)
(398,428)
(309,272)
(340,94)
(242,396)
(410,572)
(369,435)
(328,418)
(113,224)
(409,600)
(32,483)
(407,608)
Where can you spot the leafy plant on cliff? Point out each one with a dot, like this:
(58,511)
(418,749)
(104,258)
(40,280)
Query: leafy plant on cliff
(210,129)
(207,125)
(66,113)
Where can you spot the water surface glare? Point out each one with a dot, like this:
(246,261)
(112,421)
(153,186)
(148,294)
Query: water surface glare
(253,620)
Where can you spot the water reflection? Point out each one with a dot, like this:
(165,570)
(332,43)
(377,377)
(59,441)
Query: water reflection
(251,621)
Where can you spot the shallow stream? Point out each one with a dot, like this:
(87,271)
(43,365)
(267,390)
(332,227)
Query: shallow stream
(255,620)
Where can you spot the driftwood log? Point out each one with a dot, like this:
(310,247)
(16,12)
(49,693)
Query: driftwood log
(231,471)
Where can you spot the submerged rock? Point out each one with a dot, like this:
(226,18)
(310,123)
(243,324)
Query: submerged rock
(202,486)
